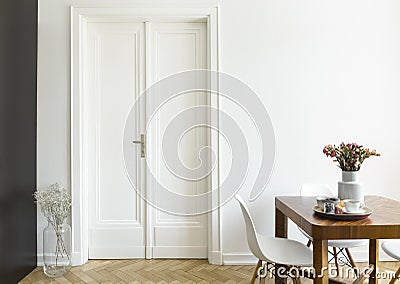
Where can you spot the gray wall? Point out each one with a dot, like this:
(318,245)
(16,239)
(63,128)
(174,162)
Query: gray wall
(18,53)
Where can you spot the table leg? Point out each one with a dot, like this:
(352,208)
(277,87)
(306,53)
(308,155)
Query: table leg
(320,261)
(373,259)
(281,224)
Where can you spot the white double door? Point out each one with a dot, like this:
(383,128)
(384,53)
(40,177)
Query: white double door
(124,59)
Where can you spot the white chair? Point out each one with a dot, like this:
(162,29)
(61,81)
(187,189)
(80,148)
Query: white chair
(338,246)
(273,250)
(392,248)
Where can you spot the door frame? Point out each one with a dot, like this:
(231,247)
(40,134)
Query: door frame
(80,17)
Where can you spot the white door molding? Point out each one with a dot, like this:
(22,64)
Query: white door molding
(80,17)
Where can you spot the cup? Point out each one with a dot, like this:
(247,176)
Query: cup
(335,200)
(352,205)
(329,207)
(321,200)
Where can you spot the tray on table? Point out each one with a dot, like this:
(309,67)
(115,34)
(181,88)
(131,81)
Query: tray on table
(364,212)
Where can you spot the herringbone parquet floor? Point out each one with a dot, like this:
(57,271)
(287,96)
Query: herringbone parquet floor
(161,271)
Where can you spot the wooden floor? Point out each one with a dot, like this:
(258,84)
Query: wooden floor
(162,271)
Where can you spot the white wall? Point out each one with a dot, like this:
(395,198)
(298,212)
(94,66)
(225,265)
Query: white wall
(326,70)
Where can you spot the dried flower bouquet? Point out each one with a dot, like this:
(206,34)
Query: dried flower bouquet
(55,204)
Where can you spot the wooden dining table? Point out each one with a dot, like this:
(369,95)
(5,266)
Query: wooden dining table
(383,223)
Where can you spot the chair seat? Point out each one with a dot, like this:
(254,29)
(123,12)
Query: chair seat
(392,248)
(285,251)
(347,243)
(339,243)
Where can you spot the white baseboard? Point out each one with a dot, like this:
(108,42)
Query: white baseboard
(218,258)
(238,259)
(39,261)
(76,257)
(215,257)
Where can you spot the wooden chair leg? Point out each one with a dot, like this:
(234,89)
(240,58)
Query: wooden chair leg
(397,275)
(335,256)
(309,243)
(364,275)
(353,264)
(259,264)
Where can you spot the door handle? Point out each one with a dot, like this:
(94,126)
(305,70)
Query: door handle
(142,143)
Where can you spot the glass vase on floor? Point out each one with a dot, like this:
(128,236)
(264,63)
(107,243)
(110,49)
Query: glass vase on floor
(56,249)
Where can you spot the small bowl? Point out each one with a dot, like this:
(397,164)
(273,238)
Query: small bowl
(352,205)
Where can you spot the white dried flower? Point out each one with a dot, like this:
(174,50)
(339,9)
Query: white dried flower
(55,203)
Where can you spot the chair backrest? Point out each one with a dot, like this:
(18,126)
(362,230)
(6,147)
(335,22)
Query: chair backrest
(251,234)
(315,189)
(392,248)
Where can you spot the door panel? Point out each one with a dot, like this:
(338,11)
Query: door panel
(120,56)
(115,209)
(176,47)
